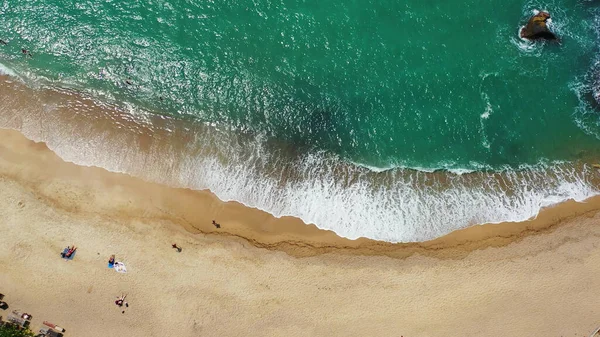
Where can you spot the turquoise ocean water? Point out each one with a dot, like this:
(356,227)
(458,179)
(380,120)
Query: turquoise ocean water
(341,108)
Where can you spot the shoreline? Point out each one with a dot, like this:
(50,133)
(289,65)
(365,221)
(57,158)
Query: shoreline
(393,206)
(540,279)
(194,210)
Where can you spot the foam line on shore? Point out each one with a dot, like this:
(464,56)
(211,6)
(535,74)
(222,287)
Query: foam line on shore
(38,168)
(354,202)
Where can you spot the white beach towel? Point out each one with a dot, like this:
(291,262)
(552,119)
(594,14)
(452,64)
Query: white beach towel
(120,267)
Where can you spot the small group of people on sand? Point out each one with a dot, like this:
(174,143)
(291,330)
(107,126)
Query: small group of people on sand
(70,250)
(120,299)
(119,267)
(68,253)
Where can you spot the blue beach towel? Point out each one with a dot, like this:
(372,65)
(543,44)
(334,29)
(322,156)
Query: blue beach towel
(63,255)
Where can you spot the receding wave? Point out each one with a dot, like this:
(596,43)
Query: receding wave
(396,205)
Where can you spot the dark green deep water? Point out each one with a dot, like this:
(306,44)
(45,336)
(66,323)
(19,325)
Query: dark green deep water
(424,85)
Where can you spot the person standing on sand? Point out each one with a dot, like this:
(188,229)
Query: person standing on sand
(176,247)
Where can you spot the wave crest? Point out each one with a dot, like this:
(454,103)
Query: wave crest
(397,205)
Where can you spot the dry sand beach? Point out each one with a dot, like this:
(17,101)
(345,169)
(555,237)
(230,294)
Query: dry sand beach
(261,276)
(370,173)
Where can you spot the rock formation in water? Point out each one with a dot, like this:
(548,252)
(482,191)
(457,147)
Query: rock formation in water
(537,28)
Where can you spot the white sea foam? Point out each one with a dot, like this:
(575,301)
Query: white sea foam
(395,205)
(523,44)
(4,70)
(483,117)
(392,204)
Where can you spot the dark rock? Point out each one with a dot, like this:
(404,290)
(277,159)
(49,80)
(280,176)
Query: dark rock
(537,28)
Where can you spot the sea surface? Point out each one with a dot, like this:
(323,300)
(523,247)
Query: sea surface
(393,120)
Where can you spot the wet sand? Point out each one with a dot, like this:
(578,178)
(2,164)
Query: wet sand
(182,153)
(263,276)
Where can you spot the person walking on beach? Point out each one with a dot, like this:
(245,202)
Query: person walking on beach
(176,247)
(216,224)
